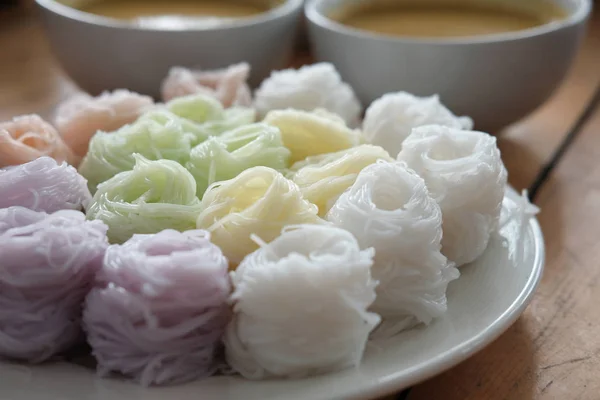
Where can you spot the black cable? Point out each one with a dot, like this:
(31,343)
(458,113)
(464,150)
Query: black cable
(404,394)
(8,4)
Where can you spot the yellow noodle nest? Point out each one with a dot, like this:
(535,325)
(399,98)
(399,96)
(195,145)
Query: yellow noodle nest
(308,134)
(323,178)
(260,201)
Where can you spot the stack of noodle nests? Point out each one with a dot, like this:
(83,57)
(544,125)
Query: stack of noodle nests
(271,234)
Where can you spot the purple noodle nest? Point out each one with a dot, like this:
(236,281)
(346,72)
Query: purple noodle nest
(43,185)
(47,267)
(160,308)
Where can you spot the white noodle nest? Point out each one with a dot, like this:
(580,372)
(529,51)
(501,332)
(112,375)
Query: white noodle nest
(389,208)
(300,305)
(389,119)
(308,88)
(465,174)
(515,217)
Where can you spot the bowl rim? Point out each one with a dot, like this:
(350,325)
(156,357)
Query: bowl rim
(317,18)
(284,9)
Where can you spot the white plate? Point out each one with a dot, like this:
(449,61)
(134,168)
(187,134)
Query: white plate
(483,303)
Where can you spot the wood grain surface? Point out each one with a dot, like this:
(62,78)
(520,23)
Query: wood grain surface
(553,350)
(527,145)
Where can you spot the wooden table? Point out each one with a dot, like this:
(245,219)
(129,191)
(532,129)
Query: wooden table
(553,350)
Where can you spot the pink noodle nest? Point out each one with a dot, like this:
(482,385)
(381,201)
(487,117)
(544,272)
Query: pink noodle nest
(43,185)
(28,137)
(48,264)
(227,85)
(80,117)
(160,308)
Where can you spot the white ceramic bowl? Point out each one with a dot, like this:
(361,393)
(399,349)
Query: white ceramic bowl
(102,53)
(495,79)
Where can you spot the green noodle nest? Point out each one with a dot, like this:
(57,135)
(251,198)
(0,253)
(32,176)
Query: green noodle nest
(224,157)
(156,135)
(153,196)
(209,116)
(163,133)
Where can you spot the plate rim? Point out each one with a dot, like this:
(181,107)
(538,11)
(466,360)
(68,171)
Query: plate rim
(415,374)
(390,380)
